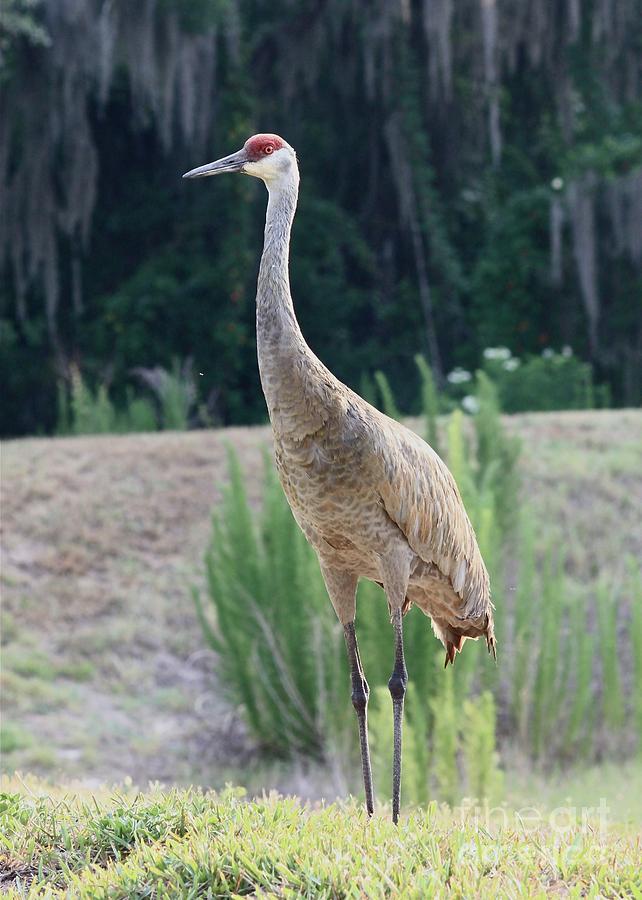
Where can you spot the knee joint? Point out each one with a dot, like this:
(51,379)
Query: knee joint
(360,693)
(397,685)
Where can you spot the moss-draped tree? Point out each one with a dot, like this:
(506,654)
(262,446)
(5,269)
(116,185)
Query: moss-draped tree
(472,175)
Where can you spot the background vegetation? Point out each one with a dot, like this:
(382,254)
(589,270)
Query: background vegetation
(472,179)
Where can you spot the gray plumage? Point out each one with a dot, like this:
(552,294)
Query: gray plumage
(372,498)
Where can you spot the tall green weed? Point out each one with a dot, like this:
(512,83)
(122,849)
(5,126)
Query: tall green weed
(175,391)
(429,402)
(635,577)
(82,410)
(280,649)
(388,402)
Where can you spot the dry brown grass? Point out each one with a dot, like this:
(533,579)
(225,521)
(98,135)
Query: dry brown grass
(104,672)
(582,476)
(102,538)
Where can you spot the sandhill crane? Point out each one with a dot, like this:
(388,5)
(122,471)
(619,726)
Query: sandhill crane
(373,499)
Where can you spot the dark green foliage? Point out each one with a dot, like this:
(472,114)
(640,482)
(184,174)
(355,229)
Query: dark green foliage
(546,382)
(410,237)
(510,287)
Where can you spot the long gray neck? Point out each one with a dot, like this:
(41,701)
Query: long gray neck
(274,308)
(282,352)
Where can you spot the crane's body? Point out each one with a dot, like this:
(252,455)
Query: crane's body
(367,493)
(373,499)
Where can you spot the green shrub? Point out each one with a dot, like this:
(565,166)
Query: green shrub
(85,412)
(368,388)
(547,693)
(550,381)
(542,383)
(13,737)
(175,391)
(567,696)
(138,416)
(524,629)
(280,647)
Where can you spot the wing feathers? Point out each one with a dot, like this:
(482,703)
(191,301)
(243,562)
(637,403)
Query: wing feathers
(421,497)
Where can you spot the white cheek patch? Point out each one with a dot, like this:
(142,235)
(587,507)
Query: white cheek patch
(271,166)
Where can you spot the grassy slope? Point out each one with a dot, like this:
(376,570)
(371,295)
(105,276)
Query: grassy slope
(103,671)
(188,844)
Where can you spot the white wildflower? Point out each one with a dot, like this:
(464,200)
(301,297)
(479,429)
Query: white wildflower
(510,364)
(567,351)
(458,376)
(499,353)
(557,183)
(471,404)
(548,353)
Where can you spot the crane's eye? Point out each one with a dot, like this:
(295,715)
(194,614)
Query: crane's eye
(268,148)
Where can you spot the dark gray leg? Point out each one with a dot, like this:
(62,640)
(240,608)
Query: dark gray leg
(397,688)
(360,693)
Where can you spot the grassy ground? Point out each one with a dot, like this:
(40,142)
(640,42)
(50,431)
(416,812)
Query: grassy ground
(188,844)
(104,672)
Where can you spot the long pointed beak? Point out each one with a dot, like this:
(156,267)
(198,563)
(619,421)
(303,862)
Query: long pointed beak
(232,163)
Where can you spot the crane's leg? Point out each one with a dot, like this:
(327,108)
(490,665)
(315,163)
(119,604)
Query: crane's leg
(342,589)
(397,688)
(360,693)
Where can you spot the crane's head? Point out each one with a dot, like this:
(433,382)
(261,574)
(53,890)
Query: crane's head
(265,156)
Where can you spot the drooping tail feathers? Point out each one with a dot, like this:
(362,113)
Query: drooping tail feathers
(455,645)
